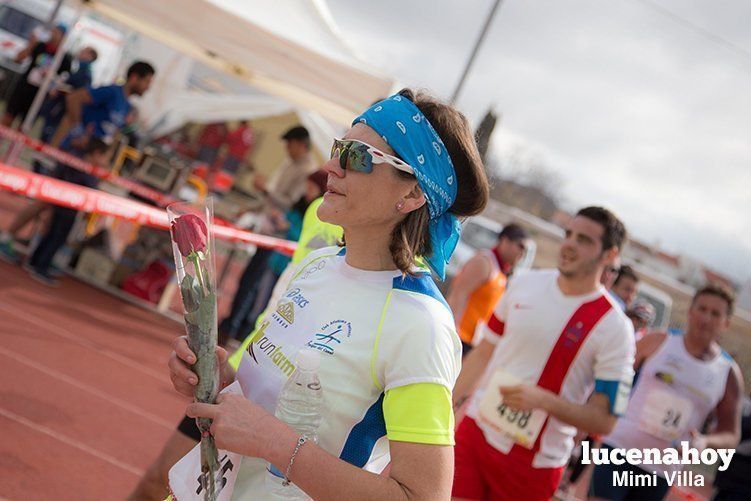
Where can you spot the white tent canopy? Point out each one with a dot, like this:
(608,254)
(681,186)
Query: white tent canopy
(184,91)
(286,48)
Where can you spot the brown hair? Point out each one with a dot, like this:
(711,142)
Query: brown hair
(716,289)
(614,231)
(626,271)
(410,236)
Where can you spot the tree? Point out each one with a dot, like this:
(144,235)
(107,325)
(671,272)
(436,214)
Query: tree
(521,177)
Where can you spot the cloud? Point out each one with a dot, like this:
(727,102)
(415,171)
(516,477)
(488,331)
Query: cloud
(634,110)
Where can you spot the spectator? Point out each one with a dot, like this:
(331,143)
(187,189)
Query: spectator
(63,218)
(315,186)
(98,113)
(625,286)
(42,55)
(288,181)
(239,143)
(211,138)
(53,109)
(287,184)
(102,111)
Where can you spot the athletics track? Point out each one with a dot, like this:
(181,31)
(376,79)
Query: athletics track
(85,397)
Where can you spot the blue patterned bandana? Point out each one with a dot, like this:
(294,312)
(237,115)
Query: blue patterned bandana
(403,126)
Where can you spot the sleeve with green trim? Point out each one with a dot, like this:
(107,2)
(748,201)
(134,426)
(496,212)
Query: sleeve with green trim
(419,413)
(418,343)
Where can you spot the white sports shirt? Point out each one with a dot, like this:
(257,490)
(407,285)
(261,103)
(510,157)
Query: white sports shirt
(673,394)
(571,345)
(390,358)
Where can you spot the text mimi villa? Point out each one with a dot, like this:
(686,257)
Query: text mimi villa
(675,478)
(683,456)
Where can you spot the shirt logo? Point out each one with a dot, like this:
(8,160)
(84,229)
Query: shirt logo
(312,269)
(330,336)
(275,353)
(573,335)
(519,306)
(665,377)
(284,314)
(296,297)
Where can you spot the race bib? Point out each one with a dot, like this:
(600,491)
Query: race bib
(666,415)
(185,476)
(522,427)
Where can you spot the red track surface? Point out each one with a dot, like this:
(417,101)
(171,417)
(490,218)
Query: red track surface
(85,397)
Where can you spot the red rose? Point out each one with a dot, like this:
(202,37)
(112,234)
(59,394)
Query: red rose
(189,233)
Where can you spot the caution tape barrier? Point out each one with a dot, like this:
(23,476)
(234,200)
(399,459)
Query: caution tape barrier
(57,192)
(142,191)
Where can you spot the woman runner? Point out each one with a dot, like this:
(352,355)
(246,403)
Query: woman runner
(397,182)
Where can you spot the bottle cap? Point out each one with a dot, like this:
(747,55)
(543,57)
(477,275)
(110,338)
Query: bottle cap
(308,359)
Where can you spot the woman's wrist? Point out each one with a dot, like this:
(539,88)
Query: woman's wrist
(280,443)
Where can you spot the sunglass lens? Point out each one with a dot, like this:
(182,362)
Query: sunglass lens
(359,158)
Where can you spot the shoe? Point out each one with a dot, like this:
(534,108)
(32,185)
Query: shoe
(8,254)
(56,272)
(43,278)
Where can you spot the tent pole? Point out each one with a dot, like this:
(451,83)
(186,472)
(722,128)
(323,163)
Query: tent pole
(51,20)
(475,50)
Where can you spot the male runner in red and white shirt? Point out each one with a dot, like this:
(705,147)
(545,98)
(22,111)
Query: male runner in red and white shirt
(556,356)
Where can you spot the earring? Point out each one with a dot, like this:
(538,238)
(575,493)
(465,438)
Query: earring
(400,206)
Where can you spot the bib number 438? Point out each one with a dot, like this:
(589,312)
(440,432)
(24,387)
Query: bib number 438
(522,427)
(514,416)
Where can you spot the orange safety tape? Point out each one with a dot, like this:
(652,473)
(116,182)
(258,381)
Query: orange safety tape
(57,192)
(73,161)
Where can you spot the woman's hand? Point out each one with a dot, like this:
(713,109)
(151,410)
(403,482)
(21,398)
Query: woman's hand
(182,376)
(238,425)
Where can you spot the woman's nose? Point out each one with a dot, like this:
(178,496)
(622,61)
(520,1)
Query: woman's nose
(334,167)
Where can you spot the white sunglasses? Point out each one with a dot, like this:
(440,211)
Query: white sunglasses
(360,157)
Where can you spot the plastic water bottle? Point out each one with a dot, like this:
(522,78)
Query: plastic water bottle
(300,405)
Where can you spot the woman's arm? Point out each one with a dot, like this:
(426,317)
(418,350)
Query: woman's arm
(418,471)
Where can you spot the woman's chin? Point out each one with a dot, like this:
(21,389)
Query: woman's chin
(327,212)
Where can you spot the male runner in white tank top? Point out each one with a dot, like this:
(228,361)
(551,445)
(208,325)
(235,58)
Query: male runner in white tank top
(681,381)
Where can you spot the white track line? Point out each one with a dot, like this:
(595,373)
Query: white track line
(63,333)
(87,388)
(71,442)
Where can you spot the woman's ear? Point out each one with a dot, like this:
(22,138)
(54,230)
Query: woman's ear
(412,201)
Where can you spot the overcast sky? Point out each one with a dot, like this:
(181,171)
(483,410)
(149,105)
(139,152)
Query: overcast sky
(635,110)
